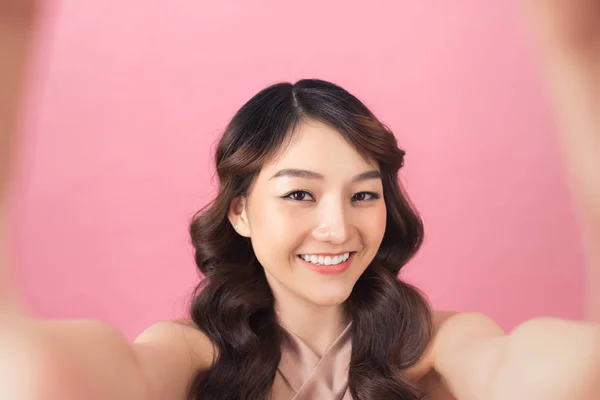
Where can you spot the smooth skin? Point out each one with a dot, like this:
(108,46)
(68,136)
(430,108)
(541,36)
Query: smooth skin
(470,358)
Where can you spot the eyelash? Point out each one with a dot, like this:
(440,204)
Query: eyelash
(374,196)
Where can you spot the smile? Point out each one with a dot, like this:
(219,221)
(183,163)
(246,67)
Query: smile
(327,264)
(325,260)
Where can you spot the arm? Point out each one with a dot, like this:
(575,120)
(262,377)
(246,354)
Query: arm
(17,21)
(569,36)
(543,358)
(465,353)
(547,358)
(72,360)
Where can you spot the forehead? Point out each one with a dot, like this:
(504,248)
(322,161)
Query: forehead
(321,148)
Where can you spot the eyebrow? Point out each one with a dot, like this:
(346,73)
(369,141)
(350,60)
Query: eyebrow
(306,174)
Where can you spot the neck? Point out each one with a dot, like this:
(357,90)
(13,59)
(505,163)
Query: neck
(316,325)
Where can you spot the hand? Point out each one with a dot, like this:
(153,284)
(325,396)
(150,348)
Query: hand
(569,33)
(568,25)
(18,359)
(16,28)
(17,19)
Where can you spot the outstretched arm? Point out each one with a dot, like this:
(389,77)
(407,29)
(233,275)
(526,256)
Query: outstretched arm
(568,32)
(64,360)
(543,358)
(17,19)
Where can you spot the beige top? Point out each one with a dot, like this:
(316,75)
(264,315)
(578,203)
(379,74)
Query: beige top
(302,375)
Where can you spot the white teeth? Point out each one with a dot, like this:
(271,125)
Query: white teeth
(327,260)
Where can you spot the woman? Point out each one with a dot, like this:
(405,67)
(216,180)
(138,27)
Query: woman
(308,231)
(300,250)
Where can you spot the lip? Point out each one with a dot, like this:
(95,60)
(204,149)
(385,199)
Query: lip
(328,269)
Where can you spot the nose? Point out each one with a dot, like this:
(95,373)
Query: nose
(333,225)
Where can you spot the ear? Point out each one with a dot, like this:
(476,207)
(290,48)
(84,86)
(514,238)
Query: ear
(238,217)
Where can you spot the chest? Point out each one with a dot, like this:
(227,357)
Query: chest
(303,375)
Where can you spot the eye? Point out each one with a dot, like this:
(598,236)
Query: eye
(299,195)
(364,196)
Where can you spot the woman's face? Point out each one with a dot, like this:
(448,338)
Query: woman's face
(315,216)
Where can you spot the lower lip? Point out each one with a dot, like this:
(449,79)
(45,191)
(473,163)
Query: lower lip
(328,269)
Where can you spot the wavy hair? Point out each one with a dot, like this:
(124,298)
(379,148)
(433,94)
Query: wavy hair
(233,304)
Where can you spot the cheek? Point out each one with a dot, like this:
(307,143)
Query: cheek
(277,230)
(373,223)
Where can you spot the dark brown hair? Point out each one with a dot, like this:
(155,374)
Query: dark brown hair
(233,304)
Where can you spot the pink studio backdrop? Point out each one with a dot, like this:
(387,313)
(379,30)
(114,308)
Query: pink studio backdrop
(128,99)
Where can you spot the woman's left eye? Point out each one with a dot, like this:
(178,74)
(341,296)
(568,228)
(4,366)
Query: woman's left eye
(365,196)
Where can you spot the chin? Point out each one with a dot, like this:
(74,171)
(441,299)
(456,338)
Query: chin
(329,298)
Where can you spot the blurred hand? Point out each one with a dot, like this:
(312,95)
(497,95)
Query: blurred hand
(571,26)
(17,19)
(569,37)
(16,28)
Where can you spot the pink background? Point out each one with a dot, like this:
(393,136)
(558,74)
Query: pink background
(128,99)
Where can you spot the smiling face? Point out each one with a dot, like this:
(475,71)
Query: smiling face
(315,216)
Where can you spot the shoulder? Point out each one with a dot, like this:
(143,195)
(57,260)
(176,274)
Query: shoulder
(181,335)
(427,361)
(452,333)
(451,328)
(170,354)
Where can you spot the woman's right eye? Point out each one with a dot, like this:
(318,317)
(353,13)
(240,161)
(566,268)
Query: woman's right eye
(299,195)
